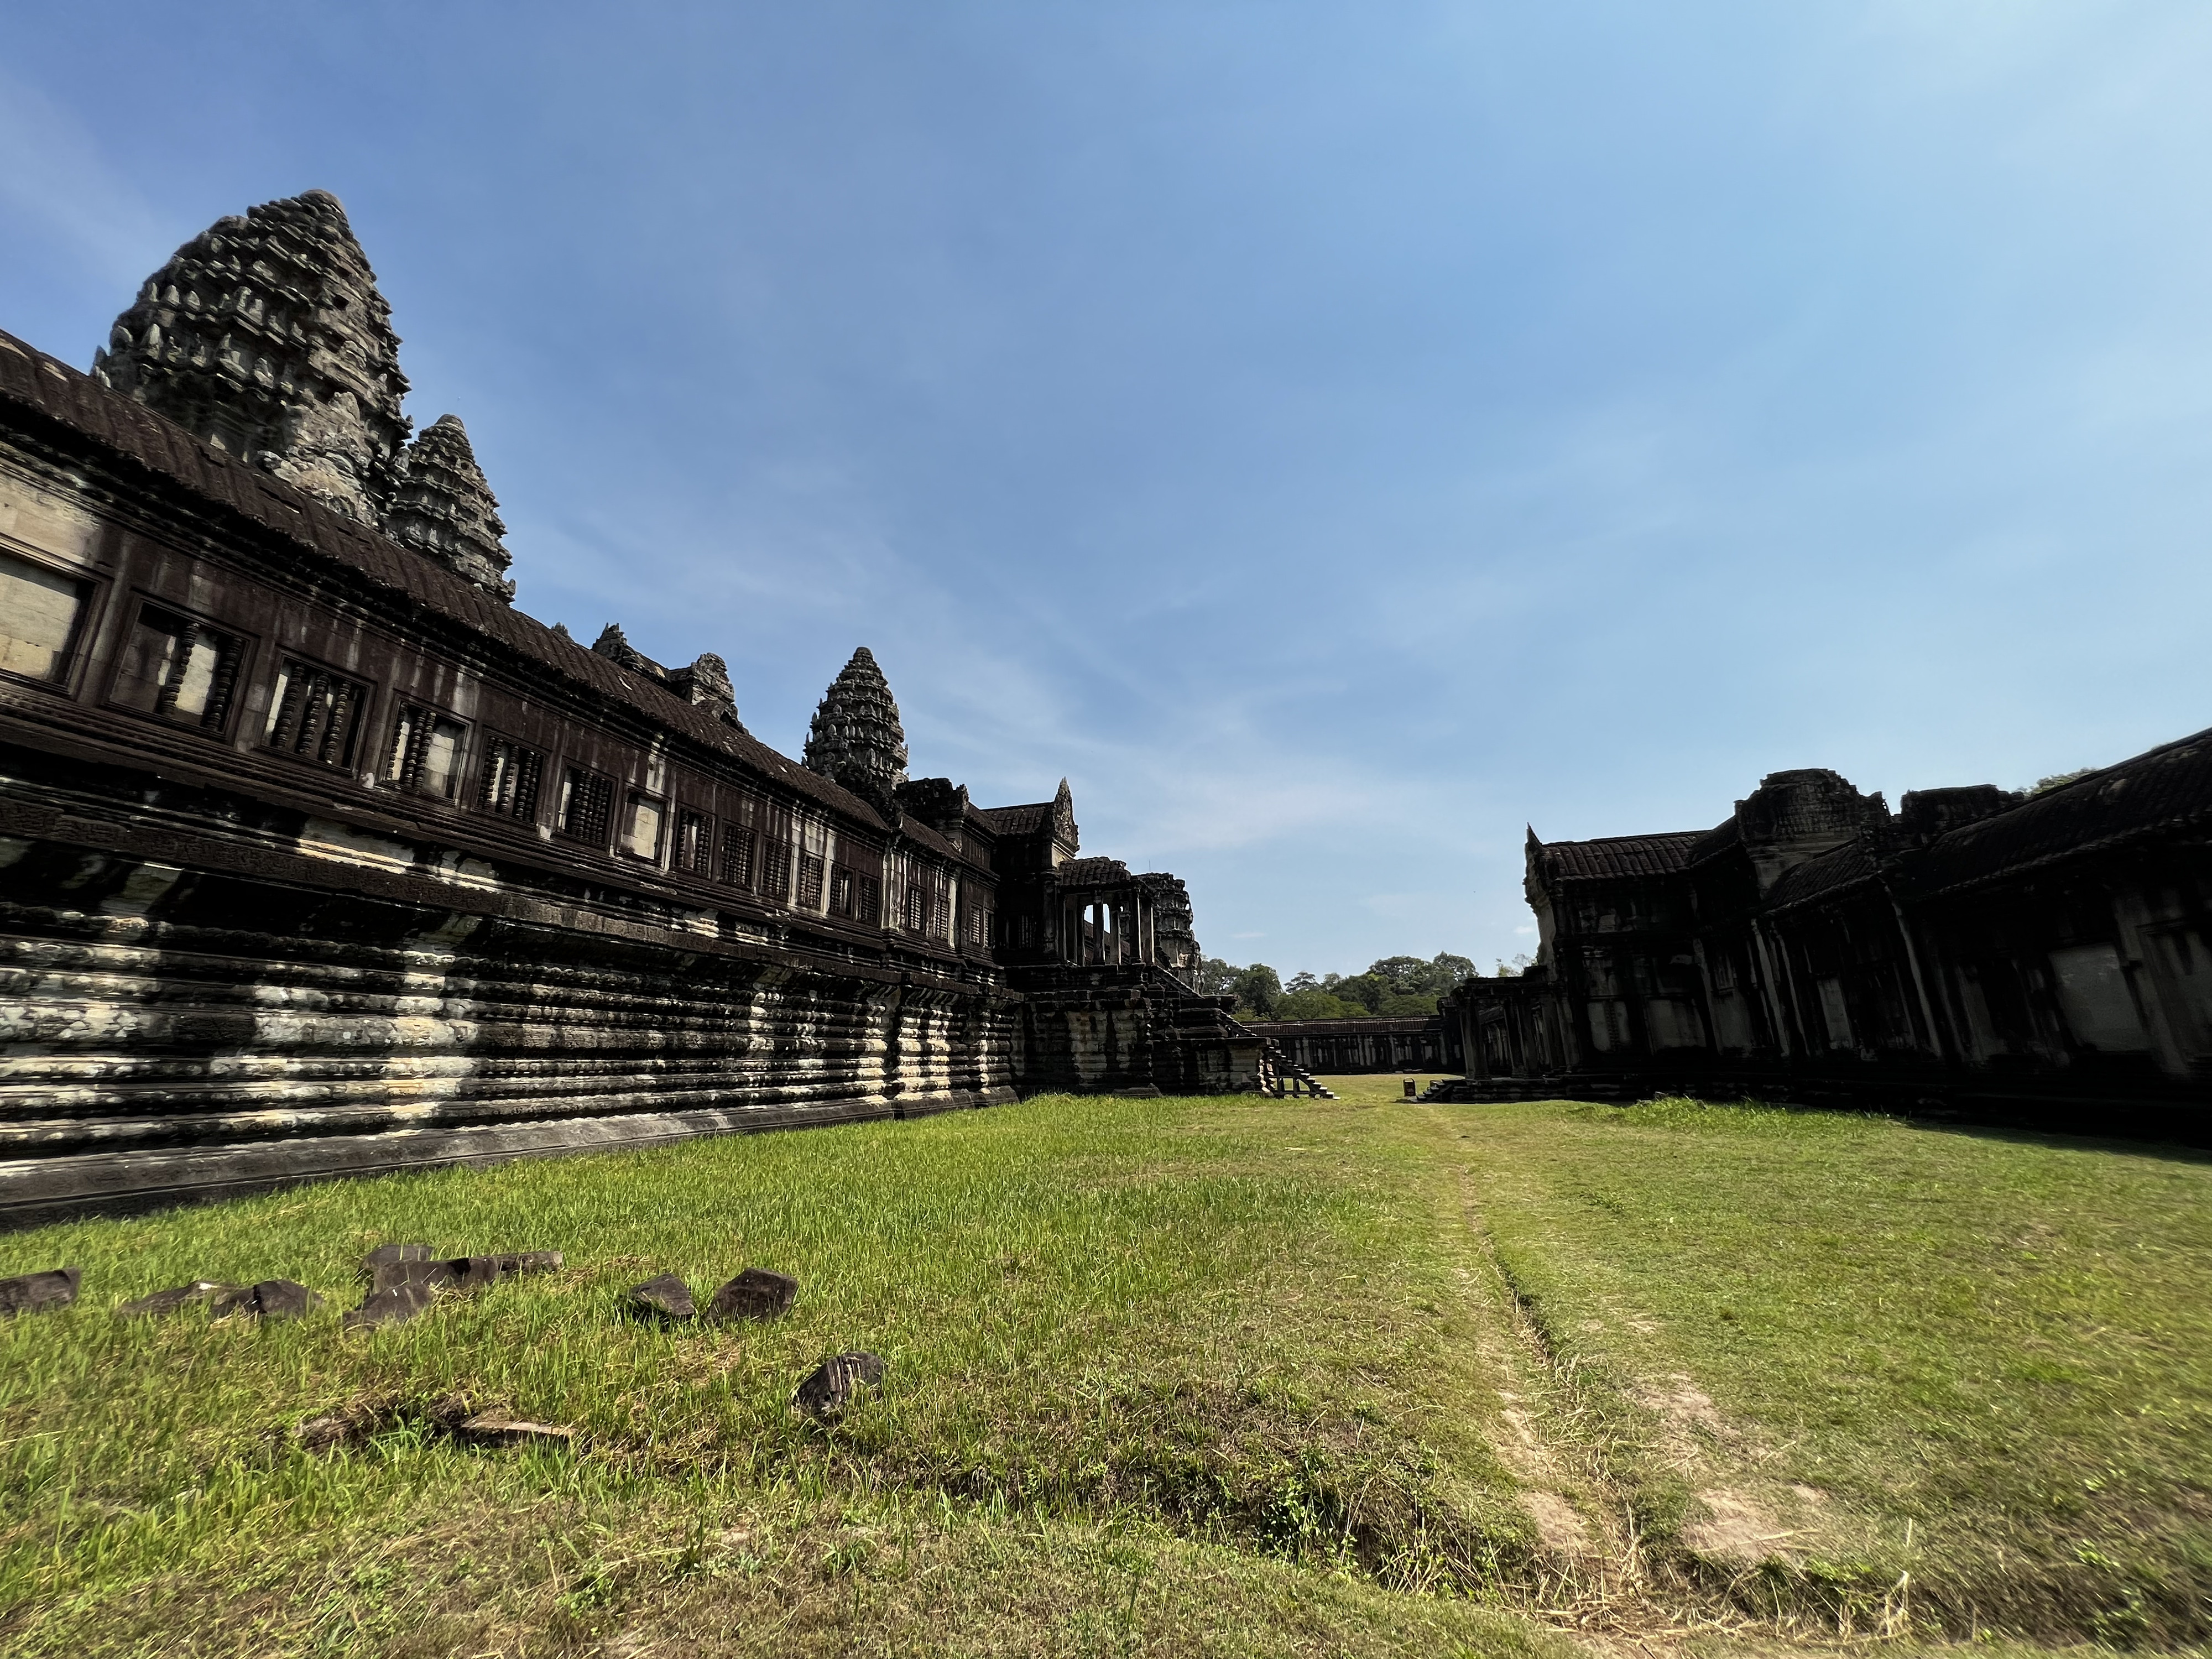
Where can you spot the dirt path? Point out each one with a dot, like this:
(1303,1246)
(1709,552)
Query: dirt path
(1562,1437)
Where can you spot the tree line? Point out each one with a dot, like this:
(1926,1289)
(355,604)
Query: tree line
(1394,987)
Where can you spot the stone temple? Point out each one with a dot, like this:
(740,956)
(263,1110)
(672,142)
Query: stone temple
(2045,957)
(317,857)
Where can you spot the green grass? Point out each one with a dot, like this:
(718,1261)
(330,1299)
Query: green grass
(1165,1331)
(1982,1360)
(1227,1376)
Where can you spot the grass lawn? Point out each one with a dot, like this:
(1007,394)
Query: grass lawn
(1225,1375)
(1973,1365)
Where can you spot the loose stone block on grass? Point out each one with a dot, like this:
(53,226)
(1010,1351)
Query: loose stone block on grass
(755,1293)
(38,1292)
(394,1306)
(665,1296)
(495,1428)
(176,1297)
(831,1389)
(404,1278)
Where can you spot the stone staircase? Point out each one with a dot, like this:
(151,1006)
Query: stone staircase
(1291,1079)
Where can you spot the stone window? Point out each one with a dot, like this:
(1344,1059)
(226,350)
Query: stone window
(510,775)
(1608,1019)
(940,909)
(694,843)
(179,669)
(868,901)
(810,881)
(738,843)
(426,753)
(1724,972)
(1835,1012)
(39,613)
(775,869)
(315,714)
(641,824)
(587,806)
(914,914)
(2100,1008)
(841,893)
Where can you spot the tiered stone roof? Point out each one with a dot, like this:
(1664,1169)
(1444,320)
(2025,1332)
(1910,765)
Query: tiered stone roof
(856,738)
(265,335)
(444,508)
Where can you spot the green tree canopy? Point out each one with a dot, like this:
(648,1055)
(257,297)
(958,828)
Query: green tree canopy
(1399,988)
(1258,989)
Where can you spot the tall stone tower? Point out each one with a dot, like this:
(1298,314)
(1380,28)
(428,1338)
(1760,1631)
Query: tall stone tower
(265,335)
(444,508)
(856,739)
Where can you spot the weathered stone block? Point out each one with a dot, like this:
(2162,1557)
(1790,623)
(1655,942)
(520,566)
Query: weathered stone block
(496,1428)
(179,1296)
(279,1298)
(755,1293)
(39,1292)
(395,1304)
(831,1389)
(389,1255)
(665,1296)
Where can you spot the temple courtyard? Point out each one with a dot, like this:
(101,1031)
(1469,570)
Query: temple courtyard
(1229,1375)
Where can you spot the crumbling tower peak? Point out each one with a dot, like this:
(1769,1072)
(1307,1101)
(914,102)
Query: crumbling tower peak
(266,335)
(444,508)
(856,738)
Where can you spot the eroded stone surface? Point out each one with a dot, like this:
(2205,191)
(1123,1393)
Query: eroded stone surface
(266,335)
(388,1255)
(665,1296)
(833,1385)
(391,1265)
(177,1297)
(856,738)
(497,1429)
(39,1292)
(395,1304)
(755,1293)
(282,1299)
(443,508)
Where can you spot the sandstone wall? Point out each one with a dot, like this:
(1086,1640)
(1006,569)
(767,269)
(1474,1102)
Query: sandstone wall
(172,1029)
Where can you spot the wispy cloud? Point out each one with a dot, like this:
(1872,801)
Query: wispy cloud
(56,178)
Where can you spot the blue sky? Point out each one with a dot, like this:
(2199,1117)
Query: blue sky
(1333,436)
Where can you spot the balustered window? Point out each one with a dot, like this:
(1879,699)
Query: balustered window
(694,843)
(810,881)
(315,714)
(511,775)
(868,901)
(775,870)
(179,669)
(425,753)
(587,806)
(841,892)
(739,844)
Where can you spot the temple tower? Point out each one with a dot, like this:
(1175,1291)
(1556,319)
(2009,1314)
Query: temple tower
(445,509)
(265,335)
(856,739)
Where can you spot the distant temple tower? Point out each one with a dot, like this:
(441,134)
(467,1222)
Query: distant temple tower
(856,739)
(266,335)
(445,508)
